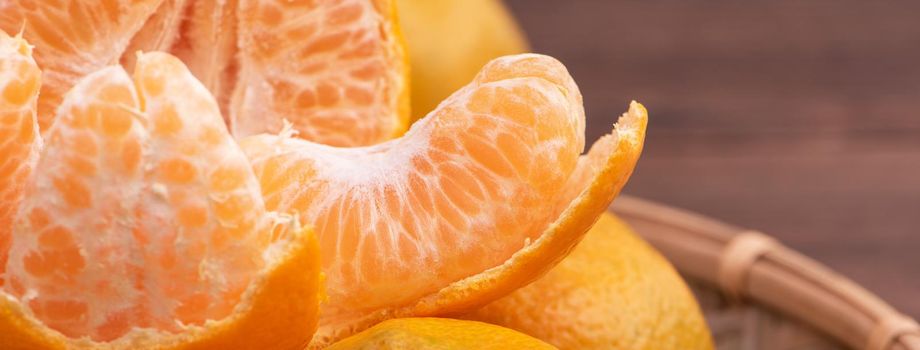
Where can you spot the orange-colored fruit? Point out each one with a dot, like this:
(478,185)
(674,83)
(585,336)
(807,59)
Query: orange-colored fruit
(473,202)
(73,38)
(144,227)
(20,80)
(613,291)
(335,69)
(450,40)
(438,333)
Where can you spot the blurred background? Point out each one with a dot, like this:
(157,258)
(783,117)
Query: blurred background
(798,119)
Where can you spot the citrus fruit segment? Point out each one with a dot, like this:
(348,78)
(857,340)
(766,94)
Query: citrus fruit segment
(386,211)
(142,213)
(449,41)
(277,311)
(438,333)
(20,80)
(597,180)
(485,175)
(335,69)
(73,38)
(613,291)
(207,44)
(159,32)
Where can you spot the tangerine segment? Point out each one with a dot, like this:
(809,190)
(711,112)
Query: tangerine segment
(20,80)
(334,68)
(159,33)
(207,44)
(278,311)
(598,178)
(143,211)
(403,219)
(73,38)
(607,168)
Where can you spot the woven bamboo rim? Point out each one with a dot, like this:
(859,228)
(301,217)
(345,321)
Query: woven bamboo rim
(749,265)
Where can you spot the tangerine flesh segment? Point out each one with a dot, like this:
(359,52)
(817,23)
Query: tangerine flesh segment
(335,69)
(598,178)
(143,212)
(159,33)
(80,209)
(20,80)
(478,177)
(207,44)
(73,38)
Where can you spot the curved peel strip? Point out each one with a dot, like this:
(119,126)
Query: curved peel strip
(20,80)
(278,311)
(337,70)
(73,38)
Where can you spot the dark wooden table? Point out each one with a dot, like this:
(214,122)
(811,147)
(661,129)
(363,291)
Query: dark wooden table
(800,119)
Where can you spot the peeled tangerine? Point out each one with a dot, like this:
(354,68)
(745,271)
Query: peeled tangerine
(478,199)
(143,225)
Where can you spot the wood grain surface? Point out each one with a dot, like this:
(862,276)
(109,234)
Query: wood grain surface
(800,119)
